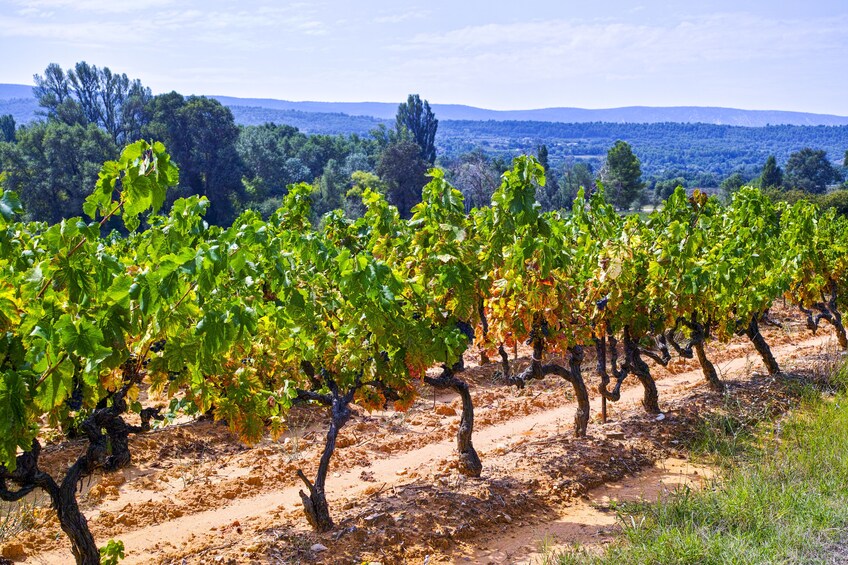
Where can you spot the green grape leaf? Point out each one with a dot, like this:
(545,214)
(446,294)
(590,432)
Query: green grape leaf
(10,205)
(57,386)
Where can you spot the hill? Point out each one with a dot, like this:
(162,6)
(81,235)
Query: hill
(10,91)
(630,114)
(387,110)
(307,122)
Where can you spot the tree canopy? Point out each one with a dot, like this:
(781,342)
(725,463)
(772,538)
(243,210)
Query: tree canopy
(622,175)
(88,94)
(810,170)
(416,117)
(54,165)
(202,135)
(772,175)
(7,128)
(405,173)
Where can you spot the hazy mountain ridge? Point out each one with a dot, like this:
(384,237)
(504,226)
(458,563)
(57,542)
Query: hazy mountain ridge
(18,95)
(9,91)
(629,114)
(308,122)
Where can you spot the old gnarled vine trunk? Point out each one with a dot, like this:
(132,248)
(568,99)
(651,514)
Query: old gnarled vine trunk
(633,365)
(708,368)
(469,462)
(315,503)
(699,338)
(637,366)
(573,374)
(760,344)
(109,451)
(828,310)
(62,498)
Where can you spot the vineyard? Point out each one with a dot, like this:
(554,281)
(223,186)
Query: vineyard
(130,338)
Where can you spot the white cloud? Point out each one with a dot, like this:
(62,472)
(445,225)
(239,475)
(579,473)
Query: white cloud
(553,54)
(103,7)
(166,27)
(524,52)
(715,38)
(599,63)
(400,17)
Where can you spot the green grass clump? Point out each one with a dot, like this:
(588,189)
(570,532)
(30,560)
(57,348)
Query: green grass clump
(781,499)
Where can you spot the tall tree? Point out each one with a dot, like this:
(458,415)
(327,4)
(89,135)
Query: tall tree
(576,175)
(416,117)
(262,150)
(84,80)
(666,187)
(332,186)
(54,166)
(52,89)
(622,175)
(405,173)
(772,175)
(731,184)
(542,154)
(201,136)
(7,128)
(87,94)
(810,171)
(476,178)
(361,181)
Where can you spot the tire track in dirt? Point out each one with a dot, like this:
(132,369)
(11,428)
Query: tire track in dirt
(141,544)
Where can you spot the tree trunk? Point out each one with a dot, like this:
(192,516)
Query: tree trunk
(469,461)
(315,503)
(840,331)
(762,347)
(109,451)
(699,337)
(708,368)
(619,373)
(537,370)
(834,316)
(74,524)
(581,418)
(650,399)
(573,375)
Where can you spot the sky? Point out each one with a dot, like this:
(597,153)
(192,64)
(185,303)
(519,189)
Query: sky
(764,55)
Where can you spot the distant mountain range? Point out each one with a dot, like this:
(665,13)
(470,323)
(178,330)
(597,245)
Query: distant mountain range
(630,114)
(17,99)
(9,91)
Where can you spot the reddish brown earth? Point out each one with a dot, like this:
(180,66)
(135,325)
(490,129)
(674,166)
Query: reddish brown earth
(194,494)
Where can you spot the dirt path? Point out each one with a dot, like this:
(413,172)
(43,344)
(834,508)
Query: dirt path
(590,521)
(582,522)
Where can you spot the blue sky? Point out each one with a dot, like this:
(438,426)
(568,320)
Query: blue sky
(782,55)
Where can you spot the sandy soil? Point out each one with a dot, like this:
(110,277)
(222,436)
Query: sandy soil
(194,494)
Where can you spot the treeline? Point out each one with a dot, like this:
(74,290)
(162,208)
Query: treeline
(89,112)
(690,150)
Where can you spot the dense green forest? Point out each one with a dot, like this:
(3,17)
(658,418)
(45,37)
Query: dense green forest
(87,113)
(703,153)
(691,150)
